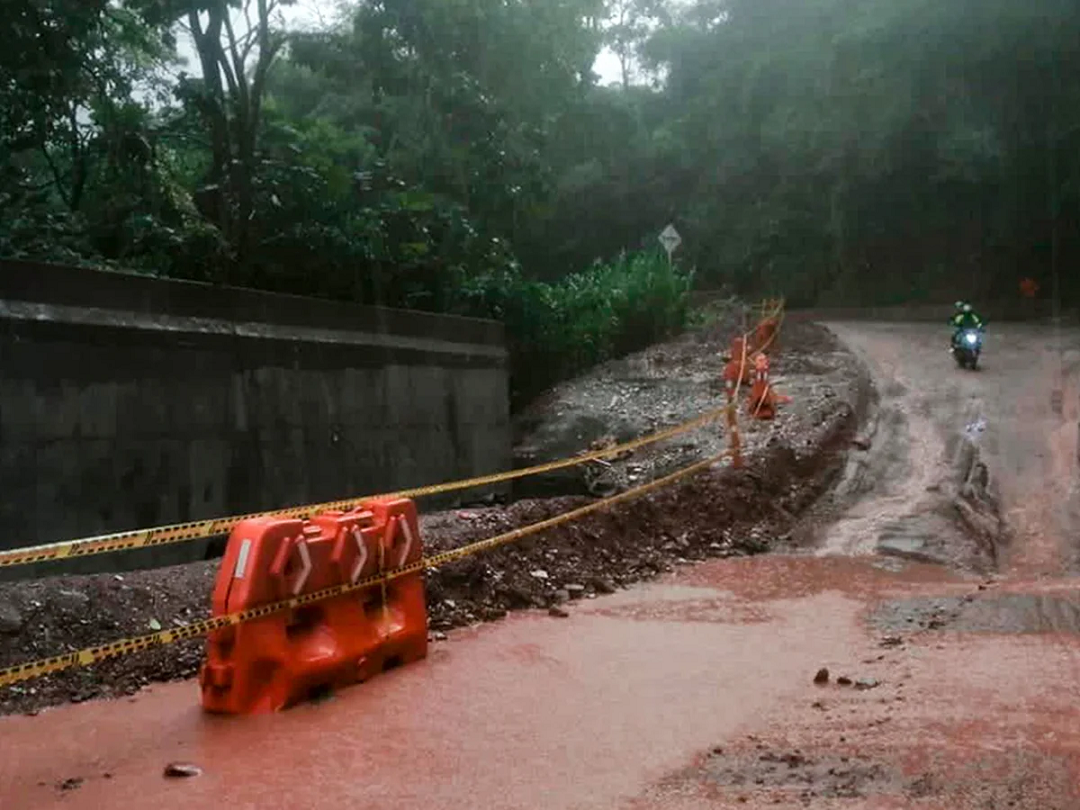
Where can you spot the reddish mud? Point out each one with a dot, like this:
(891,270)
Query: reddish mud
(529,712)
(693,692)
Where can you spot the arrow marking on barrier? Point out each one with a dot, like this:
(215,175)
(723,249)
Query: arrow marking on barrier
(305,562)
(361,561)
(407,531)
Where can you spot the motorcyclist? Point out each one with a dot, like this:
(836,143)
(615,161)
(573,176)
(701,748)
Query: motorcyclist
(965,317)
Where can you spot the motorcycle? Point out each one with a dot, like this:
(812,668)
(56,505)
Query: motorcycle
(966,348)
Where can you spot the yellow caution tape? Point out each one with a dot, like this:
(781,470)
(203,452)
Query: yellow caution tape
(202,529)
(91,655)
(205,529)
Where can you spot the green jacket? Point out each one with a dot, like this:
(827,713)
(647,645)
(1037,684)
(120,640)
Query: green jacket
(966,320)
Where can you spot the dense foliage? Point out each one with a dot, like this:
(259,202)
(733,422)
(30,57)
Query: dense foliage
(462,156)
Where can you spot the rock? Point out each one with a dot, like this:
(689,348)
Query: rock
(603,585)
(861,443)
(71,784)
(11,620)
(438,635)
(867,683)
(450,603)
(72,601)
(154,625)
(182,770)
(575,590)
(557,612)
(892,641)
(539,574)
(843,680)
(517,597)
(562,595)
(822,676)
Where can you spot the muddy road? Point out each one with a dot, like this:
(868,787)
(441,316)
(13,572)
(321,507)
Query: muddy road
(919,648)
(976,469)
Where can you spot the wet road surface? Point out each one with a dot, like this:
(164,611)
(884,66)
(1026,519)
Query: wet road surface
(935,424)
(697,691)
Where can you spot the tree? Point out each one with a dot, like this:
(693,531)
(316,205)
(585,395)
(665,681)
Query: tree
(845,150)
(629,24)
(235,66)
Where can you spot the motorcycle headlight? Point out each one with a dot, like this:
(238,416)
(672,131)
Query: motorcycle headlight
(972,338)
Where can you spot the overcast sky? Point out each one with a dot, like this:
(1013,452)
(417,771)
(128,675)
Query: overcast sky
(307,14)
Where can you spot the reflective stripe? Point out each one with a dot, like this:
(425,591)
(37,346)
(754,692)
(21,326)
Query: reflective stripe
(241,560)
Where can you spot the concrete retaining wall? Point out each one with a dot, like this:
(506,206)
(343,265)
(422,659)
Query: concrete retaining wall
(128,401)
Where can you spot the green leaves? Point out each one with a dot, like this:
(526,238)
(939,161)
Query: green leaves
(560,329)
(459,155)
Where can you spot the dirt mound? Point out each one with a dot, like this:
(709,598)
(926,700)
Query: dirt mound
(661,387)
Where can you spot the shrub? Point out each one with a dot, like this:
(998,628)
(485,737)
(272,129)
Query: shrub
(557,330)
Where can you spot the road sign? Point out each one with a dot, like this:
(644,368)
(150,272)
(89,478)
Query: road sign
(670,239)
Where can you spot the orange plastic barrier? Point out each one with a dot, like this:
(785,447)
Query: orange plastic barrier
(766,334)
(763,399)
(271,663)
(739,361)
